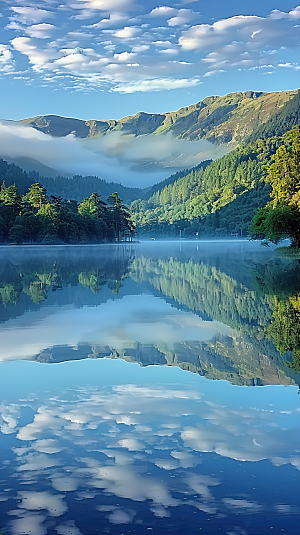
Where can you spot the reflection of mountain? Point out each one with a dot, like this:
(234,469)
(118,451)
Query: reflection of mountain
(83,277)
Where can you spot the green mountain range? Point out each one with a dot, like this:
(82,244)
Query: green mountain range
(227,119)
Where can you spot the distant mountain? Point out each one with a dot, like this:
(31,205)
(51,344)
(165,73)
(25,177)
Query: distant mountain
(76,187)
(228,119)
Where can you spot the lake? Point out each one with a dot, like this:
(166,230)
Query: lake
(149,388)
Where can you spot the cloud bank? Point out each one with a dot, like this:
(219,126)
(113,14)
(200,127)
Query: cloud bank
(139,162)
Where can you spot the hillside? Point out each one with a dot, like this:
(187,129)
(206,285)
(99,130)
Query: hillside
(227,119)
(220,199)
(76,187)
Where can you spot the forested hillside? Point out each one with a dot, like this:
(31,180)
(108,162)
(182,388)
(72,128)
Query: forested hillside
(202,200)
(75,188)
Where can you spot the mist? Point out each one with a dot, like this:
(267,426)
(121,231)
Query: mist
(132,161)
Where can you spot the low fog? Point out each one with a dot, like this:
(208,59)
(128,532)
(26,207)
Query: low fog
(132,161)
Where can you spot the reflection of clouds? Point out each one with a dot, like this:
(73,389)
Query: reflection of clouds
(242,506)
(68,528)
(8,419)
(34,501)
(28,523)
(33,461)
(143,444)
(115,324)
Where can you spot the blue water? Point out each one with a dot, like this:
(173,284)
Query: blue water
(101,444)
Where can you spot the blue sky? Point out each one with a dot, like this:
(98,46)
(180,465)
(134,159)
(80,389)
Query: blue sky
(105,59)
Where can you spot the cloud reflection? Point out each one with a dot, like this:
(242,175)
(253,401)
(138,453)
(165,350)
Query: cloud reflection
(141,444)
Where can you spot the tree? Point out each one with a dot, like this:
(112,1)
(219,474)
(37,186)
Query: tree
(36,195)
(120,217)
(280,218)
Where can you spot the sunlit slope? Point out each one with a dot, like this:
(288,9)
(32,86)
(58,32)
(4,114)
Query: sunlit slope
(227,119)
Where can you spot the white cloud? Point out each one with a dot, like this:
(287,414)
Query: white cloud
(6,59)
(114,18)
(102,5)
(128,32)
(163,11)
(159,84)
(184,16)
(124,57)
(37,57)
(140,48)
(41,31)
(31,14)
(293,14)
(252,32)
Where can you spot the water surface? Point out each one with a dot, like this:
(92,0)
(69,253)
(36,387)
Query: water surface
(142,391)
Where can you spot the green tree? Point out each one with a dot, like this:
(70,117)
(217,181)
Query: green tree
(280,218)
(37,195)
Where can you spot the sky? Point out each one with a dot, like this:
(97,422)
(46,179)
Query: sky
(106,59)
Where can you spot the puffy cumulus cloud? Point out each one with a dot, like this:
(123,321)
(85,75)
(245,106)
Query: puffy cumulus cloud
(163,11)
(294,14)
(124,57)
(158,84)
(6,59)
(37,57)
(27,15)
(112,20)
(140,48)
(40,31)
(183,16)
(102,5)
(251,36)
(128,32)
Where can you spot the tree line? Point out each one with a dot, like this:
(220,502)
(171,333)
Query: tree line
(38,218)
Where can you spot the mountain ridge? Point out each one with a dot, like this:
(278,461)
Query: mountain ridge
(219,119)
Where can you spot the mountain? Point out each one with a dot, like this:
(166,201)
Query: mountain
(284,119)
(227,119)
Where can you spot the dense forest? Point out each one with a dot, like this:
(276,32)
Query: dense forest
(38,218)
(223,197)
(199,202)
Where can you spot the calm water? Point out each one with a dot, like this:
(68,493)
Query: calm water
(145,389)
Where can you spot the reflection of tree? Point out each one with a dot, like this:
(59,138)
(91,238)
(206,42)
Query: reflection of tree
(281,281)
(36,277)
(206,290)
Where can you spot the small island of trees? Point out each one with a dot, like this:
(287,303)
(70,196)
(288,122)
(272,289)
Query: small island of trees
(37,218)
